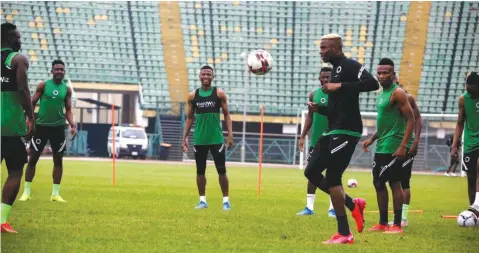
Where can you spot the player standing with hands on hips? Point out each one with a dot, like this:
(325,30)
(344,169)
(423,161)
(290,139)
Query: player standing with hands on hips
(206,103)
(348,79)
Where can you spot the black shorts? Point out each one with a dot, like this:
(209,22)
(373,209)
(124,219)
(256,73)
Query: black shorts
(407,172)
(333,155)
(218,151)
(14,152)
(471,161)
(387,168)
(56,136)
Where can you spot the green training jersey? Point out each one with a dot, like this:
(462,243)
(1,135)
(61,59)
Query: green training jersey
(391,124)
(320,122)
(471,128)
(206,106)
(52,104)
(12,114)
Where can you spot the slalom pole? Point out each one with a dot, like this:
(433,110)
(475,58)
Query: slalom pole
(260,150)
(113,149)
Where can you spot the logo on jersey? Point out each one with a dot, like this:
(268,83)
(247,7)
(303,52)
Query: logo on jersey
(323,100)
(477,106)
(5,79)
(467,159)
(38,141)
(207,104)
(55,92)
(360,72)
(338,70)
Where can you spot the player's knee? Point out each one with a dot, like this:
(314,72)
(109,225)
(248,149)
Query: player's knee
(405,184)
(334,179)
(379,185)
(200,171)
(315,177)
(221,171)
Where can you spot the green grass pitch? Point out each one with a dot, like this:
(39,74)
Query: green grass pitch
(151,210)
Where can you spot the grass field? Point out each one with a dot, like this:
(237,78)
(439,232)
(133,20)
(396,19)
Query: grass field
(151,210)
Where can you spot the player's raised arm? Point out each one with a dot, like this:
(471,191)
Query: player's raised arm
(189,120)
(417,124)
(365,81)
(401,101)
(461,119)
(226,114)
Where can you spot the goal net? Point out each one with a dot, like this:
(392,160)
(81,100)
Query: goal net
(433,154)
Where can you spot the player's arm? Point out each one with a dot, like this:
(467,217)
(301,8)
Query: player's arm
(365,81)
(369,141)
(38,93)
(189,120)
(417,118)
(461,119)
(20,64)
(309,118)
(227,116)
(307,124)
(401,102)
(68,109)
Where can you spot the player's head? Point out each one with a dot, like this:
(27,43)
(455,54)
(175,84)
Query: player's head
(472,84)
(58,69)
(331,46)
(324,75)
(385,72)
(206,76)
(11,37)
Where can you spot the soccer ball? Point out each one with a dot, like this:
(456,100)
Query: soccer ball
(260,62)
(467,219)
(352,183)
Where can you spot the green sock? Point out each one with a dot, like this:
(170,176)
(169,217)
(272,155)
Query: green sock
(405,209)
(56,190)
(5,212)
(27,188)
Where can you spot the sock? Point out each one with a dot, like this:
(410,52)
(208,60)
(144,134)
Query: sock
(203,199)
(225,199)
(476,202)
(397,217)
(349,202)
(56,190)
(27,188)
(383,217)
(405,209)
(5,212)
(343,226)
(331,207)
(310,201)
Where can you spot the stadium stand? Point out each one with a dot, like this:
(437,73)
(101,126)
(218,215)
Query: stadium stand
(122,42)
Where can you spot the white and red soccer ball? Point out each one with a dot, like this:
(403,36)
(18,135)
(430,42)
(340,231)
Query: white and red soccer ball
(259,62)
(467,219)
(352,183)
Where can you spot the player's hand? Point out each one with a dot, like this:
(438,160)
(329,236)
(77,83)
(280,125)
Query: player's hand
(185,145)
(400,153)
(454,155)
(313,106)
(73,131)
(366,144)
(414,148)
(301,144)
(229,141)
(30,126)
(331,87)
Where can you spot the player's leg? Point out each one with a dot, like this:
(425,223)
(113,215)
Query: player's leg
(219,156)
(15,158)
(201,154)
(58,143)
(473,180)
(37,144)
(395,176)
(341,148)
(317,164)
(406,187)
(310,194)
(380,176)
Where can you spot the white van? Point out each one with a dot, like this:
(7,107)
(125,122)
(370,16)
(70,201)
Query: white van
(129,141)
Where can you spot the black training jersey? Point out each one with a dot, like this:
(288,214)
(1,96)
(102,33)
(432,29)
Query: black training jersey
(343,105)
